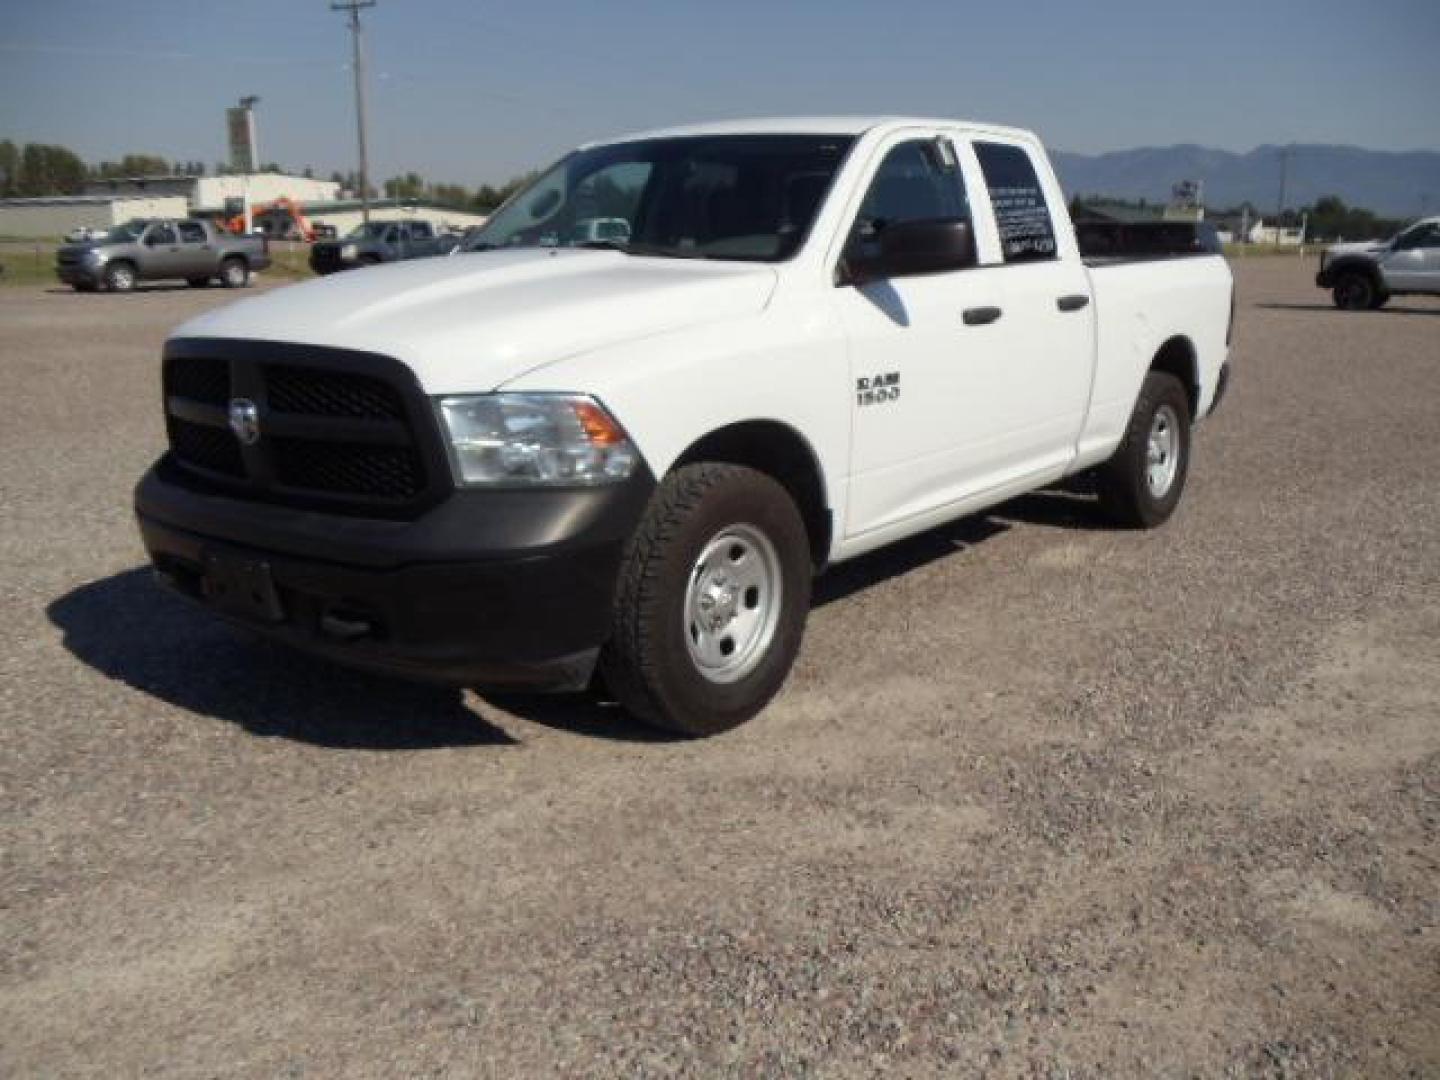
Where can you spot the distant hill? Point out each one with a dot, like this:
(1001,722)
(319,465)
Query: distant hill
(1389,183)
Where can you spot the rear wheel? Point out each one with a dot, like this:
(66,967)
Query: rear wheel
(1141,485)
(1355,291)
(712,601)
(119,277)
(234,273)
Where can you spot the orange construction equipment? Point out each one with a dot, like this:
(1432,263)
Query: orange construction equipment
(280,219)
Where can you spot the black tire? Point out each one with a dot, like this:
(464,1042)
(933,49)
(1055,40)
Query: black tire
(84,286)
(119,276)
(1127,495)
(648,663)
(1354,291)
(1381,299)
(197,282)
(234,272)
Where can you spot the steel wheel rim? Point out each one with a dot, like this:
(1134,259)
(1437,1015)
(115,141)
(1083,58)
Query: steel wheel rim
(234,275)
(1162,451)
(732,603)
(122,277)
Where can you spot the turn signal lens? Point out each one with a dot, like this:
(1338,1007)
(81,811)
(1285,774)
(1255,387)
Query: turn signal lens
(599,427)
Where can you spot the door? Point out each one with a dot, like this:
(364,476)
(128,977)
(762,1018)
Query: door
(918,369)
(197,254)
(1040,392)
(969,380)
(1413,265)
(162,257)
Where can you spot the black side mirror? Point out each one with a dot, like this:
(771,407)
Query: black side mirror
(911,248)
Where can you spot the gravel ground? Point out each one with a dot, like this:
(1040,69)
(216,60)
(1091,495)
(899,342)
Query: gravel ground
(1041,799)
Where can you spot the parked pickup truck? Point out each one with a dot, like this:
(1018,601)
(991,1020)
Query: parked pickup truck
(1364,276)
(155,249)
(525,465)
(380,242)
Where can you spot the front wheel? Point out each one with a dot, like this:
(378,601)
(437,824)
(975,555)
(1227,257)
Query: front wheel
(119,277)
(1354,292)
(712,601)
(234,273)
(1141,485)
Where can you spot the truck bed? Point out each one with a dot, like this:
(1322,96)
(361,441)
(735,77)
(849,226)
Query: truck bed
(1105,243)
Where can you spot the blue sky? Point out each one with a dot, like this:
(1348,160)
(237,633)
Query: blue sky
(470,91)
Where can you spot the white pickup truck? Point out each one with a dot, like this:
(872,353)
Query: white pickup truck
(532,464)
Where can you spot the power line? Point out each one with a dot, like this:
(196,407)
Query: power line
(354,7)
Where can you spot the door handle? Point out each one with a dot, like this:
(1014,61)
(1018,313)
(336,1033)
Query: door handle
(979,316)
(1072,303)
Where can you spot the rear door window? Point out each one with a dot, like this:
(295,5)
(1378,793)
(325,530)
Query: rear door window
(1027,232)
(192,232)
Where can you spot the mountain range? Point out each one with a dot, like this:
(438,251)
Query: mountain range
(1401,184)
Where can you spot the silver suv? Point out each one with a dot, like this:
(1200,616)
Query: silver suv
(153,249)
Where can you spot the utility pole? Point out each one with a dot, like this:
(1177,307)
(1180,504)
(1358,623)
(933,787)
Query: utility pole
(1280,206)
(357,40)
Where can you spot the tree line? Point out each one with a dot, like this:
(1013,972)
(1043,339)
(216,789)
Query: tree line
(35,170)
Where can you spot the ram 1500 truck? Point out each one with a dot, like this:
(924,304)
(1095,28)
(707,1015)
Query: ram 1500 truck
(528,464)
(157,249)
(1364,276)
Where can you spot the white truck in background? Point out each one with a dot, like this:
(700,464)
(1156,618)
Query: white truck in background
(539,461)
(1364,276)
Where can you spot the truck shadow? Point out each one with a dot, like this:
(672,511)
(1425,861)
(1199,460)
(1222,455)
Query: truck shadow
(130,629)
(1389,309)
(1066,506)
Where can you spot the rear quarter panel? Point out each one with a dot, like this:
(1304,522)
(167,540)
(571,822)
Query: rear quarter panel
(1139,306)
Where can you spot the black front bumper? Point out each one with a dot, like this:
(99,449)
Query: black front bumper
(504,589)
(77,274)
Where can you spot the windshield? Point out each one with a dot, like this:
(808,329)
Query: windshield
(127,232)
(373,230)
(748,197)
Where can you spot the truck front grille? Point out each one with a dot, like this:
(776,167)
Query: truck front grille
(382,472)
(357,441)
(329,393)
(211,448)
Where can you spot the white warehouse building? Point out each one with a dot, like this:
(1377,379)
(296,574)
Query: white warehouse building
(51,217)
(210,193)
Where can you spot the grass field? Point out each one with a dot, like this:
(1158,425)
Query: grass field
(32,262)
(27,262)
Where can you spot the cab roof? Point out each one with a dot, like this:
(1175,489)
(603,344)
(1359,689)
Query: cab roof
(813,125)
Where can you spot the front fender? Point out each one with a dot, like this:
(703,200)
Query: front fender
(672,389)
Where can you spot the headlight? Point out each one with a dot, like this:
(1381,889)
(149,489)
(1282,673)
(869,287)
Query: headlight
(349,251)
(535,439)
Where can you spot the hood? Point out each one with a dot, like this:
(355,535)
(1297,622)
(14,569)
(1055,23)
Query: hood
(471,322)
